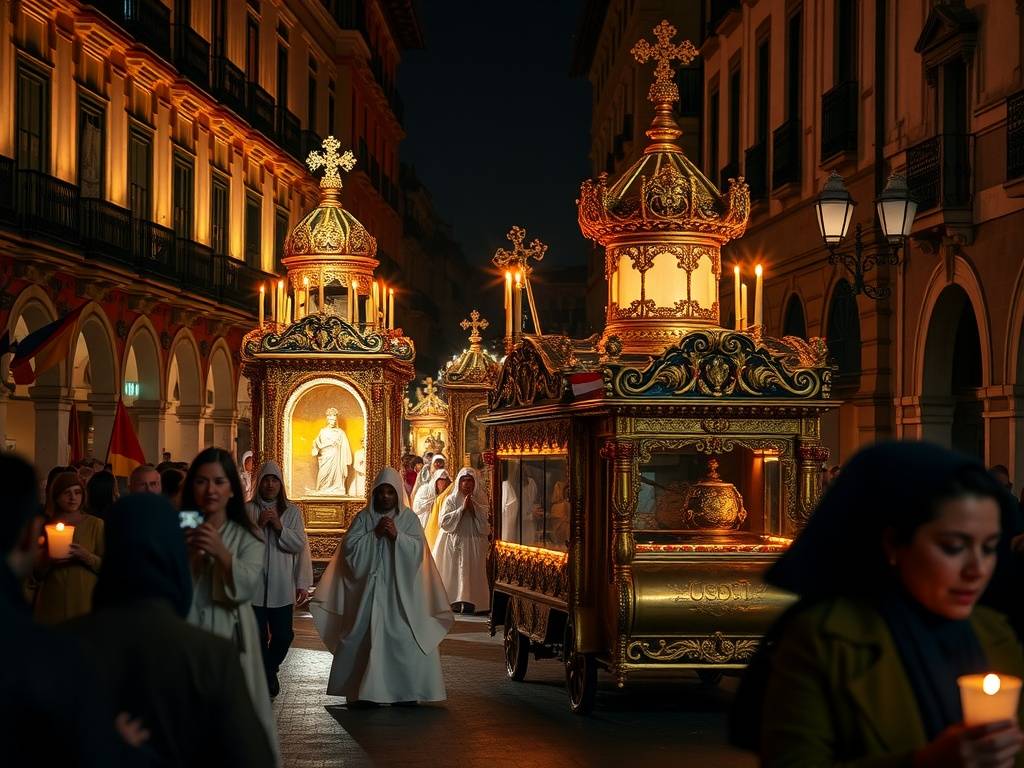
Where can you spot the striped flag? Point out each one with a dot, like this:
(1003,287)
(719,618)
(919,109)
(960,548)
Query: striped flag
(587,386)
(45,348)
(124,453)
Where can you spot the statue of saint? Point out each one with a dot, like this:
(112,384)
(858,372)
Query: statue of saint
(333,455)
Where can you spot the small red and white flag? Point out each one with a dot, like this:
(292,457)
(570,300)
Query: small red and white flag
(587,386)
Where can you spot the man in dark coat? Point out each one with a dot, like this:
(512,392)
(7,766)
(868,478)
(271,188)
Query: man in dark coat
(183,683)
(51,709)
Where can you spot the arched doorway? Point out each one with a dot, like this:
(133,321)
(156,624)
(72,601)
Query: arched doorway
(220,397)
(793,321)
(184,431)
(842,334)
(952,375)
(143,392)
(94,381)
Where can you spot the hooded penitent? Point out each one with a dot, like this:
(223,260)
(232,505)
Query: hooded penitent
(145,555)
(426,495)
(246,476)
(461,547)
(382,609)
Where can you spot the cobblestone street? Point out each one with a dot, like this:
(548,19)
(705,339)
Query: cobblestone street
(490,721)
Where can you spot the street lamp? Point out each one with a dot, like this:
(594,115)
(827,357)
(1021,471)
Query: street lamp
(896,211)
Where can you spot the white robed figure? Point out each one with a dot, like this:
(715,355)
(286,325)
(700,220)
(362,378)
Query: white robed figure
(436,462)
(461,547)
(519,503)
(381,605)
(428,493)
(334,456)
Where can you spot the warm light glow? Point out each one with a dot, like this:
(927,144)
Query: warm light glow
(736,270)
(990,685)
(60,527)
(758,271)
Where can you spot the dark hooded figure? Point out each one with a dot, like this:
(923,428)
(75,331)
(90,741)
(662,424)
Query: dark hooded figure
(183,683)
(889,570)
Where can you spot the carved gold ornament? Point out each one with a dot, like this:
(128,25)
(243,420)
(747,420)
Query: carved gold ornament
(321,334)
(664,52)
(539,570)
(331,161)
(475,367)
(713,649)
(519,257)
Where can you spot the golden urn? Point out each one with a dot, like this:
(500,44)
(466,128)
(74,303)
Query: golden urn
(713,504)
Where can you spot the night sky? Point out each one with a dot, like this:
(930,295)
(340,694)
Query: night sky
(497,129)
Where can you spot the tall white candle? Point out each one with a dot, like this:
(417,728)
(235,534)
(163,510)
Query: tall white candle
(758,297)
(743,307)
(517,306)
(273,303)
(391,308)
(374,302)
(736,298)
(305,296)
(353,303)
(288,311)
(320,304)
(263,302)
(508,303)
(282,317)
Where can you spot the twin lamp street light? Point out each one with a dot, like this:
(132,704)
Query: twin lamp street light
(896,211)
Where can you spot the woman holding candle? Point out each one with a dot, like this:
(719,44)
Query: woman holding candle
(864,669)
(66,582)
(227,568)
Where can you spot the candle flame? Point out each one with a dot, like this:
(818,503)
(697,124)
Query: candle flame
(757,270)
(391,291)
(305,281)
(263,289)
(990,684)
(60,527)
(736,270)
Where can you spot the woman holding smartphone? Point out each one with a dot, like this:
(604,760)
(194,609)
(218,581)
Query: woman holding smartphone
(227,569)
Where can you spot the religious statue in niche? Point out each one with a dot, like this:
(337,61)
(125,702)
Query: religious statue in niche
(334,457)
(325,442)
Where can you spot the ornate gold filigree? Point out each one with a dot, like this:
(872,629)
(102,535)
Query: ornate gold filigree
(664,52)
(519,257)
(539,570)
(548,435)
(712,649)
(525,379)
(320,333)
(331,161)
(475,367)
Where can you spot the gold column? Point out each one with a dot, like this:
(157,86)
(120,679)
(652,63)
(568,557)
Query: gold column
(811,454)
(621,453)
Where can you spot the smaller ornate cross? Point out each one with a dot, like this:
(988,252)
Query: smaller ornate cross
(474,325)
(428,389)
(518,257)
(664,52)
(330,160)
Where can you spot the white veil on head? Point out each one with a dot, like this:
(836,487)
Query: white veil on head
(479,494)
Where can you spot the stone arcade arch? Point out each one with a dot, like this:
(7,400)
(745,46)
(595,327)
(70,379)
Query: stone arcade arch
(952,374)
(142,367)
(94,379)
(221,397)
(842,333)
(184,433)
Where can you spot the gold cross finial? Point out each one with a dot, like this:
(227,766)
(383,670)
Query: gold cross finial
(519,256)
(429,390)
(330,160)
(664,88)
(474,325)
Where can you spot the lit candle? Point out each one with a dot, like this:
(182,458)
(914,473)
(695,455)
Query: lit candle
(517,306)
(391,308)
(508,303)
(305,296)
(743,307)
(383,304)
(320,305)
(282,317)
(988,698)
(288,311)
(58,540)
(374,301)
(353,303)
(273,304)
(736,297)
(758,297)
(263,302)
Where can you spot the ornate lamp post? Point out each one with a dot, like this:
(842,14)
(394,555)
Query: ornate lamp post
(896,211)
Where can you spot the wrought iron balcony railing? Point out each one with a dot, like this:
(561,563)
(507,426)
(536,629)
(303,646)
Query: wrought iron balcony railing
(839,120)
(755,170)
(8,181)
(289,132)
(939,171)
(1015,136)
(309,141)
(786,154)
(192,55)
(47,205)
(228,84)
(260,109)
(149,22)
(107,231)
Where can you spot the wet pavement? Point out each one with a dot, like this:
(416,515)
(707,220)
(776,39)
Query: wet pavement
(491,721)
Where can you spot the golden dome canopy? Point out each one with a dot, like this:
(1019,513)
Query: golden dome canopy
(330,245)
(662,225)
(475,368)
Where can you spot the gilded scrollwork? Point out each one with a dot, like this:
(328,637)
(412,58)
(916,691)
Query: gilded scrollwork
(712,649)
(716,362)
(547,435)
(322,333)
(526,379)
(538,570)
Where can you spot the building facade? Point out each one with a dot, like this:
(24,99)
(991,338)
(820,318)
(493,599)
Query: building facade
(150,169)
(793,91)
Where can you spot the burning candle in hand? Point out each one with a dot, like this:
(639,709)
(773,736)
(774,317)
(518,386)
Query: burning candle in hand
(988,698)
(58,540)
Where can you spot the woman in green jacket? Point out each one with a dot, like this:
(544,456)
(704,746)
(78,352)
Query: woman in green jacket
(863,670)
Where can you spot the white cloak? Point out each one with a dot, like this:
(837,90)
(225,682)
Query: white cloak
(381,606)
(423,502)
(461,547)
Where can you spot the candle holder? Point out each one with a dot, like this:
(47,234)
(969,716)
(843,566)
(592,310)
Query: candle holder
(989,698)
(58,540)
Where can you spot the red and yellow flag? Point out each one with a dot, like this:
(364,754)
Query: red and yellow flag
(44,348)
(124,453)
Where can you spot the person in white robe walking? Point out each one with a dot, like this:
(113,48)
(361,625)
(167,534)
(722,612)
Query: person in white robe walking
(427,493)
(381,605)
(435,462)
(461,547)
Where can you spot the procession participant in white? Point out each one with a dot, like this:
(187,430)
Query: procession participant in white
(425,496)
(434,463)
(519,501)
(287,568)
(227,570)
(461,548)
(246,475)
(381,605)
(333,454)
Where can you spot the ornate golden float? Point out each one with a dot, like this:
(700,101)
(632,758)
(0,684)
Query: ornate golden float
(327,370)
(428,420)
(644,478)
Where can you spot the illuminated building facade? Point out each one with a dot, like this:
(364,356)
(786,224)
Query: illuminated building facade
(150,168)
